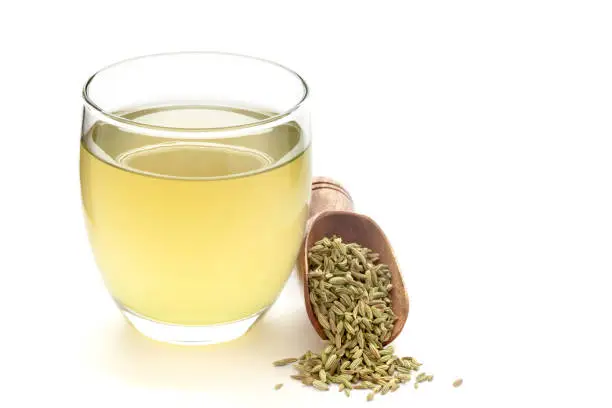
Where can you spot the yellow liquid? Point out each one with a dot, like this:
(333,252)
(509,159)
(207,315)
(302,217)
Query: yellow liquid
(195,232)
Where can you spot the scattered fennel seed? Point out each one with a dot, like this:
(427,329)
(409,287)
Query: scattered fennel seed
(284,362)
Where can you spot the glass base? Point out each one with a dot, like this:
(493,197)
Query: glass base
(189,335)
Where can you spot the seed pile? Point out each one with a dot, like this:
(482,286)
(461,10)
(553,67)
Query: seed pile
(349,292)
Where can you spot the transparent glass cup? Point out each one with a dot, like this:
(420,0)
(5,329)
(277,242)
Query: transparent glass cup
(195,179)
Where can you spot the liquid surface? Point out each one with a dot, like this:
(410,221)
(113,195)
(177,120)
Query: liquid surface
(195,232)
(194,160)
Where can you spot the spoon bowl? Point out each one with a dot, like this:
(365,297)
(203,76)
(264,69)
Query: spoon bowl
(352,227)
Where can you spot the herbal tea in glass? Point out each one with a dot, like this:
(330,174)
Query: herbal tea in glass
(196,195)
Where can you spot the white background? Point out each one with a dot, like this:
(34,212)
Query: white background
(477,133)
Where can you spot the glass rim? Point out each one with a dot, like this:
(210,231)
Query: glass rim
(164,130)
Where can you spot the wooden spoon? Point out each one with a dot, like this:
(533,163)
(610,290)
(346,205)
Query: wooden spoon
(331,213)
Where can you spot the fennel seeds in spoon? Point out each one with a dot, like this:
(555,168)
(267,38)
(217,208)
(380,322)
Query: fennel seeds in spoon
(349,292)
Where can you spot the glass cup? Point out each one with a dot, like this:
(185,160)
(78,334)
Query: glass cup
(195,179)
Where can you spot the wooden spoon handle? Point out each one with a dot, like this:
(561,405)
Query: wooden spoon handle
(328,195)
